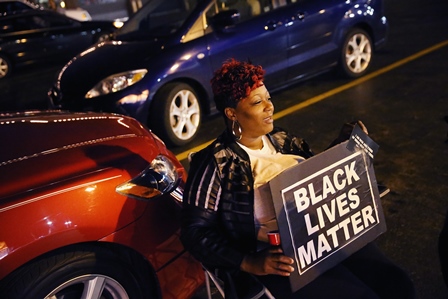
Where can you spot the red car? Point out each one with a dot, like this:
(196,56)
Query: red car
(89,208)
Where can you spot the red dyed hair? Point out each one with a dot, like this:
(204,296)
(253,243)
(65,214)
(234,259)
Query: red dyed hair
(234,81)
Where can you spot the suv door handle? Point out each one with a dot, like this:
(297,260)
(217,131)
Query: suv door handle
(300,16)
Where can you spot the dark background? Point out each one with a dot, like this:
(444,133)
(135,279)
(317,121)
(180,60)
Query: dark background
(402,105)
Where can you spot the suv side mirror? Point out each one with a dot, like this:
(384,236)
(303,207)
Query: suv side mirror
(225,19)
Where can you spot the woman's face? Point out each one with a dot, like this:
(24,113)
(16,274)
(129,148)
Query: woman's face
(254,113)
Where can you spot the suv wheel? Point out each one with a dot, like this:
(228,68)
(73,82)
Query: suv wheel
(356,54)
(176,114)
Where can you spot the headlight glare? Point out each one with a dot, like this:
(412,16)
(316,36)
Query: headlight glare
(116,83)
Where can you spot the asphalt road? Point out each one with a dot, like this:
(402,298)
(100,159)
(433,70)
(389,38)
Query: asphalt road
(402,102)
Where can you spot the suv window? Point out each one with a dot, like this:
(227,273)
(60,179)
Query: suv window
(9,7)
(159,17)
(44,21)
(14,24)
(23,23)
(247,8)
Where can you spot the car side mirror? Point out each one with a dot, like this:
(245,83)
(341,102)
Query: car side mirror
(225,19)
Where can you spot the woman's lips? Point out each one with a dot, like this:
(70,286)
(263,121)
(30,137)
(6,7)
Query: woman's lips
(269,120)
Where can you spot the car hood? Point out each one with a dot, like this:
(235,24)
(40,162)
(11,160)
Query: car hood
(108,58)
(42,149)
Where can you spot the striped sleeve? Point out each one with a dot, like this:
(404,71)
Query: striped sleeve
(209,189)
(204,180)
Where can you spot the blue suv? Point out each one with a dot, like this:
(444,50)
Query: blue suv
(158,66)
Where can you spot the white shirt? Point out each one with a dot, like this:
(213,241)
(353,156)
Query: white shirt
(267,163)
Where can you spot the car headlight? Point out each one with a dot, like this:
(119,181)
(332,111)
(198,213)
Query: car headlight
(159,178)
(116,83)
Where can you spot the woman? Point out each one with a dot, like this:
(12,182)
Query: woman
(228,208)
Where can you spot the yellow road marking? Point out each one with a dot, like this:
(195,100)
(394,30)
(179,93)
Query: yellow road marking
(334,91)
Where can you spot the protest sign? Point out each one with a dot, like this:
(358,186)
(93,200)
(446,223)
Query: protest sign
(327,208)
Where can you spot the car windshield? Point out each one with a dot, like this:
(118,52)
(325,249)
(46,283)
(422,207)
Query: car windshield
(158,18)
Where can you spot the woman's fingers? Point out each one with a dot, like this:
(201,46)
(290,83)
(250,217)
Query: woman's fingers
(280,264)
(268,262)
(362,126)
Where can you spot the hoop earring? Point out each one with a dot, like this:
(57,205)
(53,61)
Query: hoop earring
(238,134)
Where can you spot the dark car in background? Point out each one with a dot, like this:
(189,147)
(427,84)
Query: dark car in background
(90,208)
(159,64)
(39,36)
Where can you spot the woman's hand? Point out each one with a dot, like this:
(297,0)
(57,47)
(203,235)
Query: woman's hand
(362,126)
(346,131)
(268,261)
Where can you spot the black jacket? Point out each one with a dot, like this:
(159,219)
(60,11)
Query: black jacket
(218,226)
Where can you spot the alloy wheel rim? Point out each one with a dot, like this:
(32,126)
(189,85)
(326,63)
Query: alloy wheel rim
(94,286)
(358,53)
(184,114)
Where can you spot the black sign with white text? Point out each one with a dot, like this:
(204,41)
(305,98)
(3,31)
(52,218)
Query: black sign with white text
(327,208)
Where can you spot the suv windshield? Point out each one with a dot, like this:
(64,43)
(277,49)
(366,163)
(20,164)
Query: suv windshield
(158,18)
